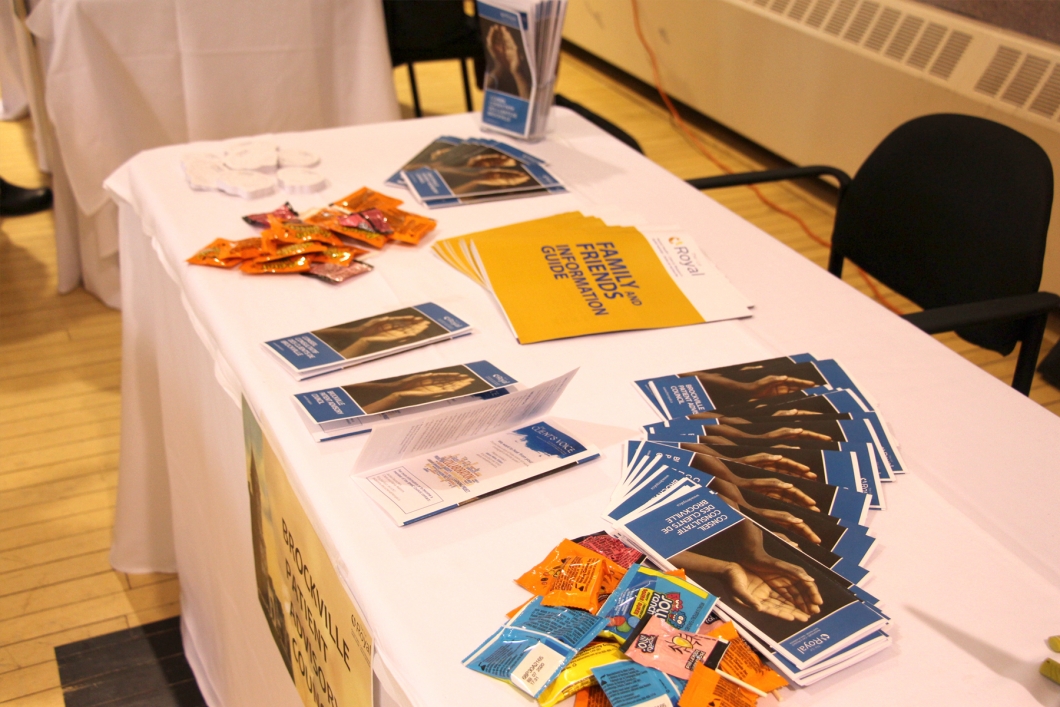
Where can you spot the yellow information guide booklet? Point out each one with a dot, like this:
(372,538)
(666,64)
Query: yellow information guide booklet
(572,275)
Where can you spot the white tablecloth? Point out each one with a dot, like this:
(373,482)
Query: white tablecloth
(967,565)
(13,101)
(127,75)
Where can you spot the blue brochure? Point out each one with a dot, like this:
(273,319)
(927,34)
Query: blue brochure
(839,545)
(805,613)
(351,409)
(509,85)
(846,504)
(843,468)
(332,348)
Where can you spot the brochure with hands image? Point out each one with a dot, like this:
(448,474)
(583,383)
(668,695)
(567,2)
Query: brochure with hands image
(332,348)
(475,170)
(834,538)
(779,387)
(521,39)
(758,483)
(422,466)
(353,409)
(789,601)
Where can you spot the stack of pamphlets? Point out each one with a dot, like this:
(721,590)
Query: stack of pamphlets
(453,170)
(418,467)
(356,408)
(522,39)
(572,275)
(757,485)
(329,349)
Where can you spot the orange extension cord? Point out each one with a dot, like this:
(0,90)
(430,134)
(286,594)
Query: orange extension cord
(683,127)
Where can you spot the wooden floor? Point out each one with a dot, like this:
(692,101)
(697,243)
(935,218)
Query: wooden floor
(60,398)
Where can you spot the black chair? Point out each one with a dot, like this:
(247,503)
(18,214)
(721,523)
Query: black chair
(951,211)
(599,121)
(1049,368)
(428,30)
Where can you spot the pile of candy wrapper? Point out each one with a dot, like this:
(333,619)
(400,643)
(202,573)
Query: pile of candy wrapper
(610,629)
(323,243)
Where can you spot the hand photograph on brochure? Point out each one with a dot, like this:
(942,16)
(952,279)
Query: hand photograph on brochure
(369,336)
(354,408)
(332,348)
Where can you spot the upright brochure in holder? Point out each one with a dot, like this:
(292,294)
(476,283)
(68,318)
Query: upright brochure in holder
(417,468)
(521,39)
(789,602)
(352,409)
(332,348)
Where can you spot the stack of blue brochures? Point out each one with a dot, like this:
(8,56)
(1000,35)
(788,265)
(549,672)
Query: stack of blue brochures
(758,484)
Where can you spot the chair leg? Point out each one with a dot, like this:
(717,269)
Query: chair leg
(415,92)
(1049,368)
(835,263)
(1028,357)
(467,85)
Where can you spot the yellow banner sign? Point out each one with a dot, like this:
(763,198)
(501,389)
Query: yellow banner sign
(318,628)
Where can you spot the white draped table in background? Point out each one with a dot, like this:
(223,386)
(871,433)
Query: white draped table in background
(967,564)
(122,76)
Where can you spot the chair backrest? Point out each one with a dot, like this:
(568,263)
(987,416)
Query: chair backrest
(951,209)
(599,121)
(426,30)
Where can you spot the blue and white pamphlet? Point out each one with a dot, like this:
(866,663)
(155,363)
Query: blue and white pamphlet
(332,348)
(420,467)
(788,601)
(355,408)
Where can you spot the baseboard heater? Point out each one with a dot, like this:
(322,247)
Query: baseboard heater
(823,81)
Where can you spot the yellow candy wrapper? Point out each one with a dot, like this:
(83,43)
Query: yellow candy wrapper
(578,675)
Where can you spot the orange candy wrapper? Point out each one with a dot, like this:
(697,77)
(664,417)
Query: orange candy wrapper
(707,688)
(316,243)
(573,576)
(743,665)
(291,250)
(216,255)
(246,249)
(329,219)
(299,263)
(280,232)
(338,256)
(364,199)
(408,228)
(591,697)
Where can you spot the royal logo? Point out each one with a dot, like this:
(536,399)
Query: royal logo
(813,643)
